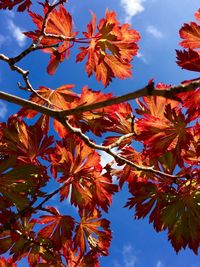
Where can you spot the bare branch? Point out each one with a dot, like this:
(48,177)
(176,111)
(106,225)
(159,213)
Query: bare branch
(170,93)
(108,149)
(29,104)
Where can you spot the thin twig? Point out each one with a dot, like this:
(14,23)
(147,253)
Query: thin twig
(81,109)
(108,149)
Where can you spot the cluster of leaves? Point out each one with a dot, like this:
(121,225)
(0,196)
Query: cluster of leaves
(168,130)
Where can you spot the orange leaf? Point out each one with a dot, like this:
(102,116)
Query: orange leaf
(111,49)
(188,59)
(89,232)
(59,24)
(191,35)
(59,228)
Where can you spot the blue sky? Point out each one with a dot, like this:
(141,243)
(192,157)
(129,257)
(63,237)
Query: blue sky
(135,243)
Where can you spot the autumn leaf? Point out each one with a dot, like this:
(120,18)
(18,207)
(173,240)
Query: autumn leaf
(8,4)
(176,210)
(188,59)
(81,175)
(59,228)
(191,101)
(167,134)
(155,105)
(20,182)
(27,143)
(197,15)
(59,26)
(7,262)
(92,120)
(190,33)
(129,174)
(92,231)
(111,48)
(192,154)
(122,122)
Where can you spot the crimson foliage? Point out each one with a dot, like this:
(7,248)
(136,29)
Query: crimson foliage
(168,192)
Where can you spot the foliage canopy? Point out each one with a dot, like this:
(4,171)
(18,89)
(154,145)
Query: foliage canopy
(163,177)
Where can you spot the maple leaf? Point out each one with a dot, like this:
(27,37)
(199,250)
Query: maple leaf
(191,35)
(59,26)
(122,122)
(23,242)
(155,105)
(197,15)
(110,50)
(192,154)
(188,59)
(129,174)
(7,262)
(61,98)
(27,143)
(88,232)
(59,228)
(170,208)
(20,182)
(160,136)
(10,4)
(81,174)
(92,120)
(191,101)
(77,260)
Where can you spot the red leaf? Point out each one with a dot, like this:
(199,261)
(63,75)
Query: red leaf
(188,59)
(7,262)
(88,232)
(59,228)
(163,135)
(176,210)
(8,4)
(191,35)
(59,24)
(81,171)
(197,15)
(111,49)
(27,143)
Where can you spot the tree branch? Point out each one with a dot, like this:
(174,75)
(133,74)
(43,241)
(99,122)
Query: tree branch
(108,149)
(167,93)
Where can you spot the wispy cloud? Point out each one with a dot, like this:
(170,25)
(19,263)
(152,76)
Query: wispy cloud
(16,32)
(154,32)
(129,257)
(2,39)
(106,158)
(132,7)
(142,57)
(160,264)
(3,110)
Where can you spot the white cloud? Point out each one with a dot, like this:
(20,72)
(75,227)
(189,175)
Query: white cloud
(142,57)
(2,39)
(10,13)
(154,32)
(106,158)
(159,264)
(129,256)
(3,110)
(17,33)
(132,7)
